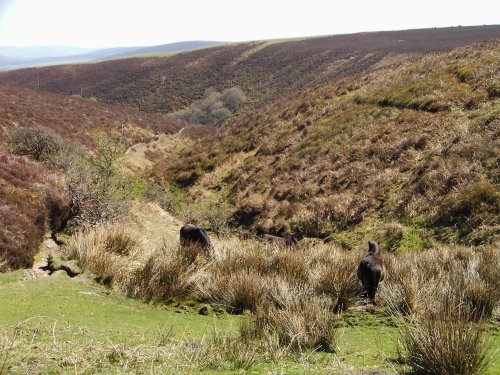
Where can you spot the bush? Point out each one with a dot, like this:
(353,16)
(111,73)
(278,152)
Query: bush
(98,189)
(37,142)
(214,108)
(233,98)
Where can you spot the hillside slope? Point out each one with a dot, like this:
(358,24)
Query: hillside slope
(32,195)
(408,154)
(75,118)
(266,71)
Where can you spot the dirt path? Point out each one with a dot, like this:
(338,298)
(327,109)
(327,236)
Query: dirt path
(151,222)
(140,156)
(48,249)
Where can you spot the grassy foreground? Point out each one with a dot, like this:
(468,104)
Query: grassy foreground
(56,325)
(59,325)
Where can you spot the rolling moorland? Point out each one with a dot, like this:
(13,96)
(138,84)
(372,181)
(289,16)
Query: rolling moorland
(397,153)
(19,57)
(402,149)
(266,71)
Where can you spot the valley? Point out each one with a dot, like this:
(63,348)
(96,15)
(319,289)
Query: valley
(390,137)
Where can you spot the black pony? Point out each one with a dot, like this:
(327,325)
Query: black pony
(371,271)
(283,241)
(192,235)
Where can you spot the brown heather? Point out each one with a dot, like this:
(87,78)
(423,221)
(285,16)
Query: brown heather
(31,196)
(75,119)
(266,71)
(397,154)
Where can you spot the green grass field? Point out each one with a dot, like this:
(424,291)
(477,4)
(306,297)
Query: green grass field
(59,325)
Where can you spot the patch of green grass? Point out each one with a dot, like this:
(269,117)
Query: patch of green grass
(56,325)
(91,306)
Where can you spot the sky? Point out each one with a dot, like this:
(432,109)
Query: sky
(115,23)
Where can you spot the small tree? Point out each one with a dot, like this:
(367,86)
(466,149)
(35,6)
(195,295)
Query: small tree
(97,188)
(37,142)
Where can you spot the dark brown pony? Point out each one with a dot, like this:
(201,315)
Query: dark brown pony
(192,235)
(283,241)
(371,271)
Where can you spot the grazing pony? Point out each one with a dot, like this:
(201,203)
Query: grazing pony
(192,235)
(371,271)
(283,241)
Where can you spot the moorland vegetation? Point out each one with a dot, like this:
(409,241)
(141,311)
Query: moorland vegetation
(407,153)
(404,151)
(265,70)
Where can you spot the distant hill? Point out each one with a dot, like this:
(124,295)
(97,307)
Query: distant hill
(37,52)
(265,70)
(406,154)
(168,48)
(19,57)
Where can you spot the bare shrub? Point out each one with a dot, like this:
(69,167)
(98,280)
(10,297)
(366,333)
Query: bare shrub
(218,216)
(98,189)
(214,108)
(38,142)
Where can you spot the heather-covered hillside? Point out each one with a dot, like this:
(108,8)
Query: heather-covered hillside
(29,199)
(33,196)
(266,71)
(74,118)
(408,153)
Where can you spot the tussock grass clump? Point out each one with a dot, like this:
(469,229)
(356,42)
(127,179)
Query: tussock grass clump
(305,323)
(444,343)
(119,242)
(338,279)
(237,292)
(418,283)
(291,265)
(139,271)
(228,353)
(162,276)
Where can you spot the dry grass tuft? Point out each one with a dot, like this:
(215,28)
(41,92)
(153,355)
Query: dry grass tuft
(237,292)
(418,283)
(305,323)
(444,343)
(126,264)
